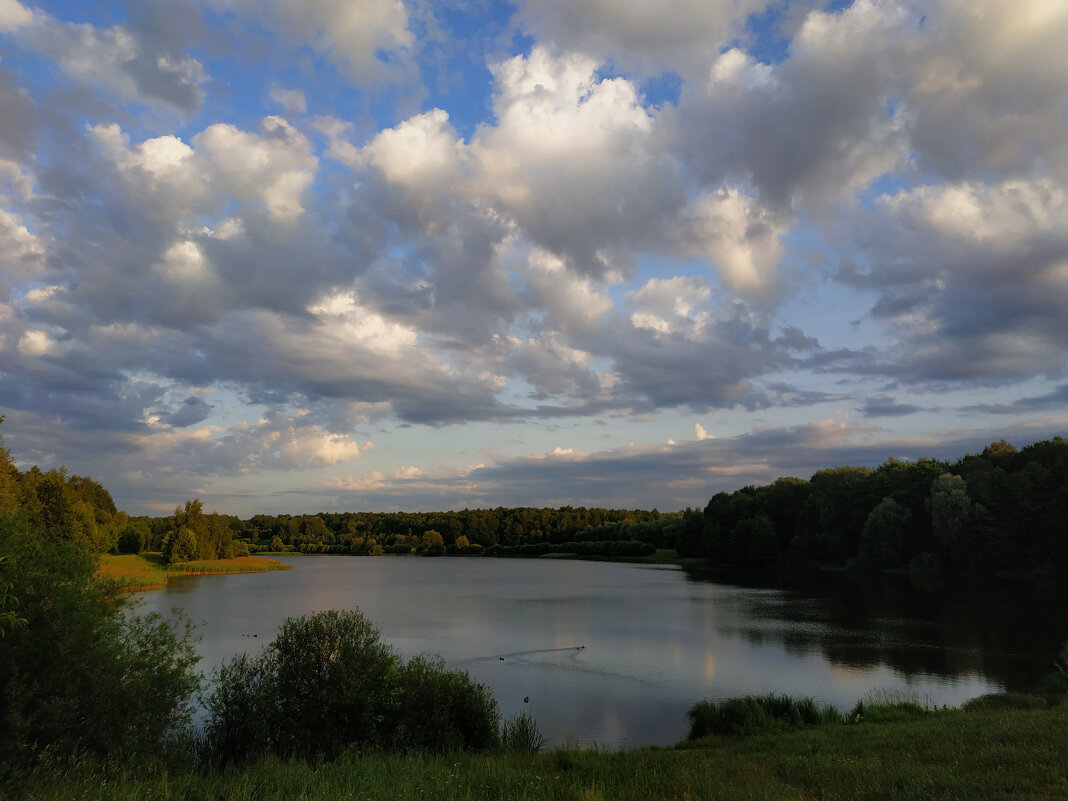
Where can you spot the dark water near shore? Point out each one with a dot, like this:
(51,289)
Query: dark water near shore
(614,653)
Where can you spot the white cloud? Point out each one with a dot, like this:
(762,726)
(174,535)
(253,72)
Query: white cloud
(14,15)
(21,252)
(570,159)
(739,236)
(293,101)
(275,168)
(353,323)
(35,343)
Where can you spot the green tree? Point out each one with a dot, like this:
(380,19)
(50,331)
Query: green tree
(754,543)
(433,543)
(181,547)
(81,676)
(882,541)
(131,540)
(950,509)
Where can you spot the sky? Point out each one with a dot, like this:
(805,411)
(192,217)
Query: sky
(291,256)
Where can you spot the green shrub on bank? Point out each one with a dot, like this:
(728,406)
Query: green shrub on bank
(443,710)
(328,683)
(756,714)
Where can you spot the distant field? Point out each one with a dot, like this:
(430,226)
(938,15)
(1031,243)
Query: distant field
(147,571)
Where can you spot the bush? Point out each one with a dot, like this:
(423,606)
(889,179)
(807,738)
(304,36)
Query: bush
(328,683)
(443,710)
(752,714)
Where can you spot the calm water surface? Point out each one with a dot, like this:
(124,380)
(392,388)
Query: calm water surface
(607,653)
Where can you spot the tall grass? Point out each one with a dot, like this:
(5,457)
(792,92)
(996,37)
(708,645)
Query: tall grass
(755,714)
(520,733)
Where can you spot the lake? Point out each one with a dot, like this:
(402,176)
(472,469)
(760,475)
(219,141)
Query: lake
(607,653)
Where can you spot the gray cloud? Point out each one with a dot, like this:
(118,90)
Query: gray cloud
(191,411)
(883,406)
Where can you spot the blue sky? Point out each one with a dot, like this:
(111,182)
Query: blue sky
(292,256)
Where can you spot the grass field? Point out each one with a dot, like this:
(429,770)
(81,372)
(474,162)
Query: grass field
(975,755)
(147,571)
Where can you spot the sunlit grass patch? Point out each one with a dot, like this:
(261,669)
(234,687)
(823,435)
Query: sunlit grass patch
(144,571)
(148,571)
(239,564)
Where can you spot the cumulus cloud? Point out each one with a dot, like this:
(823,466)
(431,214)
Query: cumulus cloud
(368,42)
(972,279)
(649,37)
(810,127)
(14,15)
(570,157)
(118,60)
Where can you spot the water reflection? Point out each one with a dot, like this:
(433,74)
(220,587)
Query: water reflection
(613,653)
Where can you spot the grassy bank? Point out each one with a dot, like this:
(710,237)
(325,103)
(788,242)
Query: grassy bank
(976,754)
(148,571)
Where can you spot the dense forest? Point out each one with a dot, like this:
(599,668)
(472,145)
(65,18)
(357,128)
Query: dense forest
(1001,511)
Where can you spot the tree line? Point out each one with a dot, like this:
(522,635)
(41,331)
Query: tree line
(1003,510)
(498,531)
(999,511)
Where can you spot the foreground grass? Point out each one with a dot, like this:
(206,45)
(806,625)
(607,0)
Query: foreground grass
(983,754)
(148,571)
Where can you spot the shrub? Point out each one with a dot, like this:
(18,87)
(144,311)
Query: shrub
(328,683)
(443,710)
